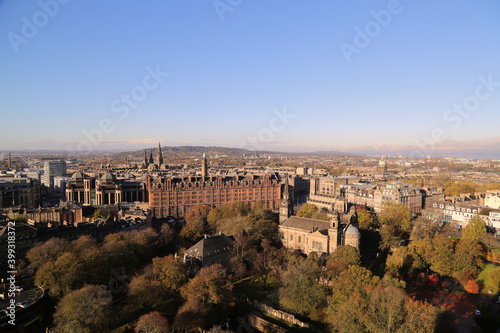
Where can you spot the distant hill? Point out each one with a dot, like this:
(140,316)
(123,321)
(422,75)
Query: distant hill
(181,151)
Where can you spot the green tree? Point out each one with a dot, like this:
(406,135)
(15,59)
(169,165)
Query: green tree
(468,257)
(365,219)
(340,260)
(85,310)
(307,210)
(152,322)
(474,229)
(397,216)
(442,255)
(300,292)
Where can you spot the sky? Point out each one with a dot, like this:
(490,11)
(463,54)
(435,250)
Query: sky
(415,77)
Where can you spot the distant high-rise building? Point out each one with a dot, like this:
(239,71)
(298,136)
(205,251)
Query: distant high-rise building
(10,162)
(53,169)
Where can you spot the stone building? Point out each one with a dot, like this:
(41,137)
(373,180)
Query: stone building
(209,251)
(311,235)
(19,191)
(104,190)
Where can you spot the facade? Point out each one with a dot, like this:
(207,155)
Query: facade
(104,190)
(19,191)
(327,192)
(492,200)
(398,193)
(173,196)
(452,212)
(491,216)
(53,169)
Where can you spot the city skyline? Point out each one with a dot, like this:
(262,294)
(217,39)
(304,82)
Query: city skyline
(381,77)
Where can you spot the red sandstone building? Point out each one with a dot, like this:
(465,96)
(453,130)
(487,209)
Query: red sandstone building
(173,196)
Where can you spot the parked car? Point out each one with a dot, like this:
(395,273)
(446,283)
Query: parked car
(477,312)
(22,304)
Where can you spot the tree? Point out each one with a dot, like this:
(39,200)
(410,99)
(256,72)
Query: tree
(47,251)
(468,257)
(441,257)
(300,292)
(494,278)
(421,317)
(196,217)
(474,229)
(146,294)
(98,214)
(385,312)
(210,286)
(340,260)
(396,216)
(152,322)
(472,287)
(355,279)
(170,271)
(265,259)
(61,276)
(365,219)
(307,210)
(85,310)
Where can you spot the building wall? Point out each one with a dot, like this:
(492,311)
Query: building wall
(174,196)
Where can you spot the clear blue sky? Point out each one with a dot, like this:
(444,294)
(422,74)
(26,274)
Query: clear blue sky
(226,78)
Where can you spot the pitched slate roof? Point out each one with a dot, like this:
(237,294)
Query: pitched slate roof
(210,246)
(305,223)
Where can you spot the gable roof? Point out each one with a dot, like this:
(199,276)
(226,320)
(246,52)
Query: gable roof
(210,246)
(305,223)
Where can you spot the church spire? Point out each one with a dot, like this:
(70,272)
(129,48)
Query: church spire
(159,155)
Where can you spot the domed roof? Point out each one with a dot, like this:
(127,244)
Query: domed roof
(108,176)
(382,162)
(352,231)
(77,175)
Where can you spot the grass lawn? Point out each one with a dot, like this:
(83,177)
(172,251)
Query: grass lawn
(483,278)
(254,289)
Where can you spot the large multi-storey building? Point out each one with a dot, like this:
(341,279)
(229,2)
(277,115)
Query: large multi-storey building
(19,191)
(174,196)
(51,169)
(399,193)
(104,190)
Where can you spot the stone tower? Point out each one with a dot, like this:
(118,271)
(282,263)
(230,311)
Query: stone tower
(145,159)
(286,207)
(204,169)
